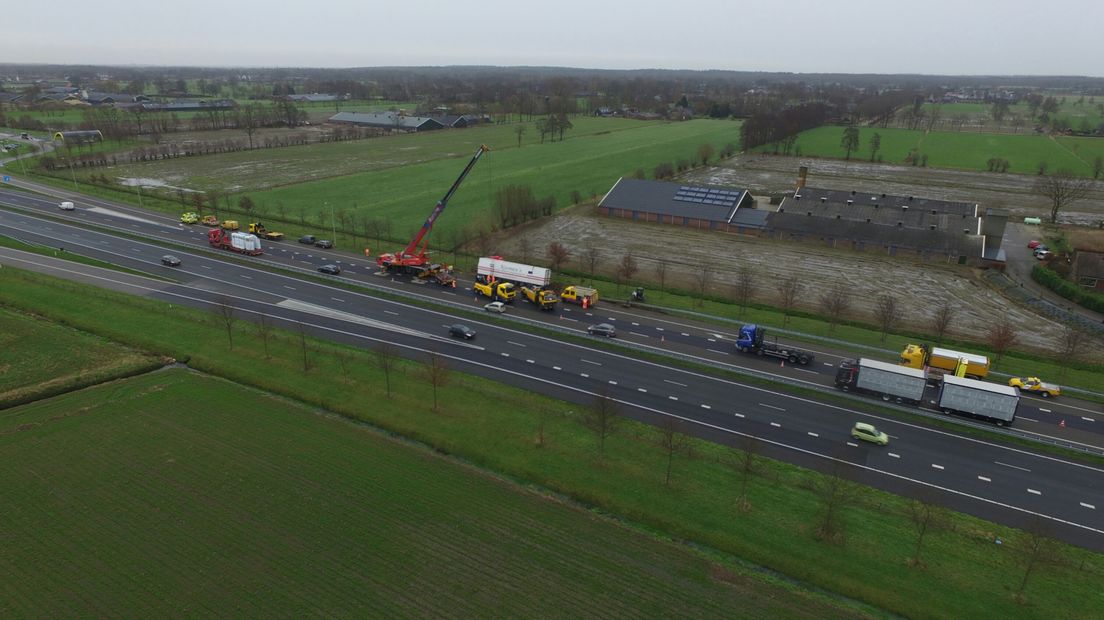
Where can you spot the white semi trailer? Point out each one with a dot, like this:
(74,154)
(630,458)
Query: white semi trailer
(889,381)
(979,399)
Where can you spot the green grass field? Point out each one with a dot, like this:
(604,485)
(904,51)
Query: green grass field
(177,494)
(964,575)
(1077,116)
(962,150)
(39,358)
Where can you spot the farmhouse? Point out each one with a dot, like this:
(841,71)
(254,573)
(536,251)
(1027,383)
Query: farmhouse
(79,137)
(727,209)
(387,120)
(315,97)
(897,225)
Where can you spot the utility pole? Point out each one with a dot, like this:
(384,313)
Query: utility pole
(139,186)
(74,173)
(333,222)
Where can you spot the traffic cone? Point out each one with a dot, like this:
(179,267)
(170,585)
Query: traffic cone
(1062,423)
(661,337)
(783,364)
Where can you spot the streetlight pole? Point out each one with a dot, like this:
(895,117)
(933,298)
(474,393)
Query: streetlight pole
(333,223)
(74,173)
(139,186)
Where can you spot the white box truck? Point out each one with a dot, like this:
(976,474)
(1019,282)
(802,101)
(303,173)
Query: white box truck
(979,399)
(889,381)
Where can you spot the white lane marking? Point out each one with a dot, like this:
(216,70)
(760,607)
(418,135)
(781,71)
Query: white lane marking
(937,466)
(589,314)
(1089,506)
(721,352)
(530,361)
(635,324)
(290,288)
(505,355)
(642,390)
(516,344)
(247,277)
(659,329)
(584,375)
(611,319)
(706,407)
(812,372)
(583,359)
(984,479)
(711,339)
(1026,418)
(673,397)
(776,425)
(738,415)
(1034,492)
(1013,466)
(827,364)
(135,249)
(556,368)
(389,312)
(894,455)
(1087,419)
(1044,410)
(567,319)
(205,266)
(771,407)
(812,434)
(612,382)
(853,445)
(685,334)
(336,299)
(674,383)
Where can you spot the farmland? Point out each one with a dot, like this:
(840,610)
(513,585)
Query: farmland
(159,503)
(960,150)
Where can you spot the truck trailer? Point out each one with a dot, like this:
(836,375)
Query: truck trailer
(494,268)
(889,381)
(751,340)
(240,242)
(979,399)
(939,361)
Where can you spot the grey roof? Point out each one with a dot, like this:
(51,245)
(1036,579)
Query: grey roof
(946,241)
(860,211)
(386,120)
(314,97)
(814,194)
(193,104)
(10,97)
(703,202)
(98,97)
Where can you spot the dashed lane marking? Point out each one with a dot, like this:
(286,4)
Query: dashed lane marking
(1034,492)
(937,466)
(984,479)
(776,425)
(674,383)
(771,407)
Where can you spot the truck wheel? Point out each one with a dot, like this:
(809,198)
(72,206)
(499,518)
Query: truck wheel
(845,387)
(1000,422)
(1046,394)
(792,359)
(759,353)
(886,397)
(803,360)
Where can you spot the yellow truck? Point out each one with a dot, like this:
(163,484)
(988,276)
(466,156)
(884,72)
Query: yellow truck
(209,220)
(259,229)
(499,291)
(939,361)
(545,299)
(583,295)
(230,225)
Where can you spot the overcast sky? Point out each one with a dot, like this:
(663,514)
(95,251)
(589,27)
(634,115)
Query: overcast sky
(959,37)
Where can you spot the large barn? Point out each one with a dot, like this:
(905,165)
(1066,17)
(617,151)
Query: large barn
(727,209)
(387,120)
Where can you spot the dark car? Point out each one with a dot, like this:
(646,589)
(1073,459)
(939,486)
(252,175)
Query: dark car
(333,270)
(324,244)
(307,239)
(460,330)
(602,329)
(170,260)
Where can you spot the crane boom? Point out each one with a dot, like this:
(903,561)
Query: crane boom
(442,203)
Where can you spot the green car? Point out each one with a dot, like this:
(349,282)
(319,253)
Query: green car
(867,432)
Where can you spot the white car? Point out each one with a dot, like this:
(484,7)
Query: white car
(67,206)
(495,306)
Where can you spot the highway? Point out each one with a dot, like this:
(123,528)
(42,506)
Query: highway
(1003,483)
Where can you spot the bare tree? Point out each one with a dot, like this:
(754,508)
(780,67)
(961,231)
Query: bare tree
(592,255)
(602,418)
(705,152)
(264,332)
(744,286)
(834,492)
(627,268)
(703,277)
(941,319)
(661,272)
(558,255)
(926,515)
(788,290)
(1062,189)
(525,247)
(344,357)
(226,313)
(387,359)
(1037,549)
(835,302)
(1001,336)
(437,374)
(747,463)
(519,130)
(1072,342)
(671,439)
(885,312)
(305,348)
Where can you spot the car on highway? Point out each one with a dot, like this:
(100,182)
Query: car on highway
(170,261)
(495,306)
(191,217)
(308,239)
(1035,386)
(602,329)
(325,244)
(459,330)
(67,206)
(867,432)
(333,270)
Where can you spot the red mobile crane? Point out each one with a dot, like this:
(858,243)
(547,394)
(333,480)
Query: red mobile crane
(408,258)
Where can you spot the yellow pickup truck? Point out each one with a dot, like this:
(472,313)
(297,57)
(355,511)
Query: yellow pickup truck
(1035,386)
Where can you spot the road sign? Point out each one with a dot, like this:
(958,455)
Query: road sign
(7,179)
